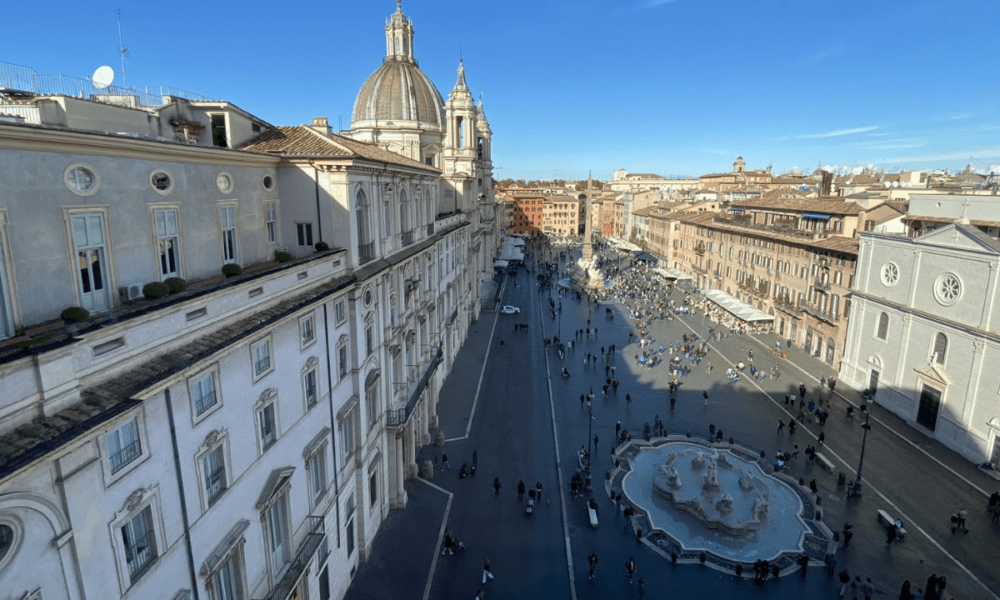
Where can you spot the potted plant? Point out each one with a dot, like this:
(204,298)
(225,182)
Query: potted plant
(322,246)
(282,257)
(231,270)
(73,318)
(176,284)
(155,289)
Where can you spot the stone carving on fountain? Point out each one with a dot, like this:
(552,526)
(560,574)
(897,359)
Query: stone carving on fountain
(706,498)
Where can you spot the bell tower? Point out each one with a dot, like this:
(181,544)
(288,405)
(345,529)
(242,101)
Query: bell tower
(461,145)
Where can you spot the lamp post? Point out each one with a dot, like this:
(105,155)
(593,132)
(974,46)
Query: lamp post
(864,438)
(588,484)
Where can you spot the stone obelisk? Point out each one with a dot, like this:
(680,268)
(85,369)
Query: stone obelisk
(588,244)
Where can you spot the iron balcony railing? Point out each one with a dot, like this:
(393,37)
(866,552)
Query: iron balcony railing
(305,552)
(127,454)
(819,314)
(819,284)
(366,252)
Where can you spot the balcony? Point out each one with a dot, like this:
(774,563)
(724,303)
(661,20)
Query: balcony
(298,565)
(786,305)
(397,417)
(822,316)
(406,238)
(819,284)
(366,252)
(698,269)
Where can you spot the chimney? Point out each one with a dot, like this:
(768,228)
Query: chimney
(321,125)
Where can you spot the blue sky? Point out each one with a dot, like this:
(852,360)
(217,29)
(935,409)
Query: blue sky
(675,87)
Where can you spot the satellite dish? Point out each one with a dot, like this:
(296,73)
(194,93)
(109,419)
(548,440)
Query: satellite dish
(103,77)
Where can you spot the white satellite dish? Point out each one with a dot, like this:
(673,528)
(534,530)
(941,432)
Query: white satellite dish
(103,77)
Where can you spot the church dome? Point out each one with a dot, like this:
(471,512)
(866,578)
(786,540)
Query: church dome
(398,91)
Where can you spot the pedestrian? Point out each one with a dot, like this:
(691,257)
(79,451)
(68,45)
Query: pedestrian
(845,581)
(904,592)
(501,344)
(867,588)
(472,470)
(496,486)
(618,429)
(641,588)
(781,425)
(932,585)
(831,563)
(803,562)
(630,568)
(592,563)
(822,436)
(486,570)
(802,390)
(480,595)
(891,537)
(958,520)
(596,439)
(520,490)
(704,395)
(444,462)
(582,398)
(628,400)
(538,491)
(847,533)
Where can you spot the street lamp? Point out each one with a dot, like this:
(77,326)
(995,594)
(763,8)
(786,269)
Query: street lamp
(864,438)
(588,485)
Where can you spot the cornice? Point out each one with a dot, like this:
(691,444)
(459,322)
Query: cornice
(21,138)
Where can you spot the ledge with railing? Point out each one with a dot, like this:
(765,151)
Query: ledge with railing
(819,284)
(366,252)
(302,558)
(822,316)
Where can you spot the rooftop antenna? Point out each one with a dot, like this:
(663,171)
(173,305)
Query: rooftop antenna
(121,47)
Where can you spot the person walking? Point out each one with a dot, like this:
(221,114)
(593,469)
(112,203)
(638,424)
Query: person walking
(592,563)
(845,582)
(891,537)
(618,429)
(486,570)
(496,486)
(630,568)
(596,439)
(904,592)
(520,490)
(704,395)
(847,532)
(444,462)
(867,589)
(958,520)
(538,491)
(781,426)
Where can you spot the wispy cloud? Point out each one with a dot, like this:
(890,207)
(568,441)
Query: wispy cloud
(955,117)
(835,133)
(816,57)
(655,3)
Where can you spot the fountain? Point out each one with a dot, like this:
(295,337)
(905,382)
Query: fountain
(711,499)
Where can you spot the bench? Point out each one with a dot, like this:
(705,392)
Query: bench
(824,462)
(886,521)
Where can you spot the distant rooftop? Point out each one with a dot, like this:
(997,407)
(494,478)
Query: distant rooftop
(21,81)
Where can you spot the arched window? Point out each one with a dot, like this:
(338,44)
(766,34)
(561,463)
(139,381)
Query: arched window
(883,326)
(366,250)
(940,349)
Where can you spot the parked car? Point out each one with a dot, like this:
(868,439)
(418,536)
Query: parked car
(510,310)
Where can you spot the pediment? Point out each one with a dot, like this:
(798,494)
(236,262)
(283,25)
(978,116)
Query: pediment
(966,237)
(934,373)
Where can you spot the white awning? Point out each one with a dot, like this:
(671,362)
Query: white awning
(502,264)
(672,274)
(741,310)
